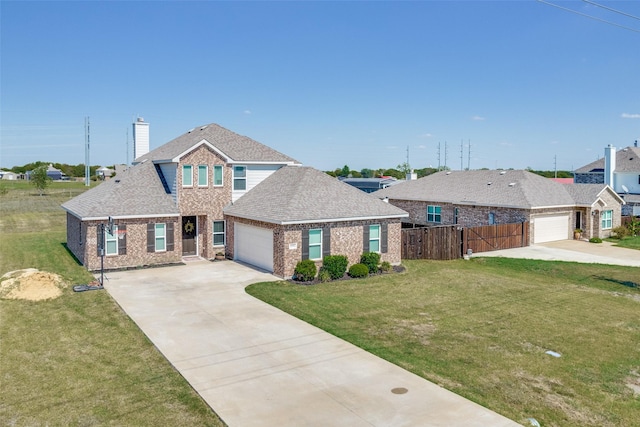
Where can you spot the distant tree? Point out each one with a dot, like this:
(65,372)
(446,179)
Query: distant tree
(40,179)
(366,173)
(404,168)
(425,171)
(345,171)
(394,173)
(331,173)
(355,174)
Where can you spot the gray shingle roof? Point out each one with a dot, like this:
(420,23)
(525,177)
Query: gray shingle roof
(627,160)
(298,194)
(236,147)
(138,192)
(586,194)
(512,188)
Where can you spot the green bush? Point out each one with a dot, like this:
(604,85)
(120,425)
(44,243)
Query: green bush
(595,240)
(634,228)
(620,232)
(385,266)
(336,265)
(358,270)
(305,271)
(323,275)
(371,260)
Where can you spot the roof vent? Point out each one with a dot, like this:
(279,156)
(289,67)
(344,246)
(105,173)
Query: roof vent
(512,184)
(117,181)
(448,172)
(203,127)
(503,172)
(190,130)
(489,183)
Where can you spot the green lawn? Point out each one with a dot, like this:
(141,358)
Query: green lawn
(627,242)
(78,359)
(481,329)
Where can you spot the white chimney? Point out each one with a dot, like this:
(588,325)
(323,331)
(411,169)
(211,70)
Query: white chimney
(609,164)
(411,176)
(140,138)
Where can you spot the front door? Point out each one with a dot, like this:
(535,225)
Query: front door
(189,235)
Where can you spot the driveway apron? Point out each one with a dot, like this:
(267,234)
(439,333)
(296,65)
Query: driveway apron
(258,366)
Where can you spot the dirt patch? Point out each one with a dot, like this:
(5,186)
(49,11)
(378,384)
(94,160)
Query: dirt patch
(31,284)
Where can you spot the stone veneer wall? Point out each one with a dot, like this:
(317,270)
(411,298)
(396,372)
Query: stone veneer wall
(136,244)
(346,239)
(206,202)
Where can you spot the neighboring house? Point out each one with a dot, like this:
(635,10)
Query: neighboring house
(302,213)
(486,197)
(56,174)
(370,185)
(621,171)
(562,180)
(104,173)
(187,198)
(8,175)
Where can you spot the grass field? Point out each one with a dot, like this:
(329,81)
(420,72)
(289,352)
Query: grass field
(627,242)
(481,328)
(77,359)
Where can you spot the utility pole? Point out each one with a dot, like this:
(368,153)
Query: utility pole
(445,154)
(127,146)
(461,154)
(438,155)
(555,165)
(87,161)
(469,157)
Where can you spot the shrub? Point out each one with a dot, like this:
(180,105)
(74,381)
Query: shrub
(336,265)
(358,270)
(371,260)
(620,232)
(385,266)
(305,271)
(634,228)
(595,240)
(323,275)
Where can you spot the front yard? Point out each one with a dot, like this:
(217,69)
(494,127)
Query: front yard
(481,328)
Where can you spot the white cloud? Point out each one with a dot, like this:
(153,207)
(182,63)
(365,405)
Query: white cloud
(477,118)
(630,116)
(392,147)
(422,147)
(247,112)
(425,135)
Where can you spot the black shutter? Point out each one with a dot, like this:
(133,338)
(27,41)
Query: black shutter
(383,238)
(305,244)
(100,241)
(326,241)
(151,237)
(170,236)
(365,238)
(122,239)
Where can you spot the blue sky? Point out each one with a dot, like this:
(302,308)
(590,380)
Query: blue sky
(328,83)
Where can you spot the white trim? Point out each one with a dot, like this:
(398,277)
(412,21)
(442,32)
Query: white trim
(106,217)
(320,244)
(183,175)
(213,176)
(155,236)
(206,176)
(319,221)
(193,147)
(214,233)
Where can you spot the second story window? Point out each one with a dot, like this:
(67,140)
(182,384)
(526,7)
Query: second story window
(203,178)
(217,176)
(240,178)
(187,176)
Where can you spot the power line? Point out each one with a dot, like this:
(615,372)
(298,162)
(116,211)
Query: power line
(589,16)
(611,9)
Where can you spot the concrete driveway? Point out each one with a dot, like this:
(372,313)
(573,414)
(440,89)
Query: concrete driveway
(257,366)
(572,250)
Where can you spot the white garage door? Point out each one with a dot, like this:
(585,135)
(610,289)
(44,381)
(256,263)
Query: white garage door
(254,246)
(551,228)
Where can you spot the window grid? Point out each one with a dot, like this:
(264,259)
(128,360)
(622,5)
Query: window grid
(240,178)
(434,213)
(607,220)
(374,238)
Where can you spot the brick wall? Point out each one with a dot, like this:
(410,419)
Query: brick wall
(206,202)
(346,239)
(136,245)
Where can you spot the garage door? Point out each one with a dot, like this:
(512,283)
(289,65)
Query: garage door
(551,228)
(254,246)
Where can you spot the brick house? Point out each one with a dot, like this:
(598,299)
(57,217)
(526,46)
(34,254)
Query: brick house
(485,197)
(172,204)
(621,171)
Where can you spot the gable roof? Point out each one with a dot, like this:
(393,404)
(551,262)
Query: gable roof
(135,193)
(233,147)
(588,194)
(627,160)
(512,189)
(301,194)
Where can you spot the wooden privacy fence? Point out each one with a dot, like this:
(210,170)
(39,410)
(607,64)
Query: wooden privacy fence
(453,241)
